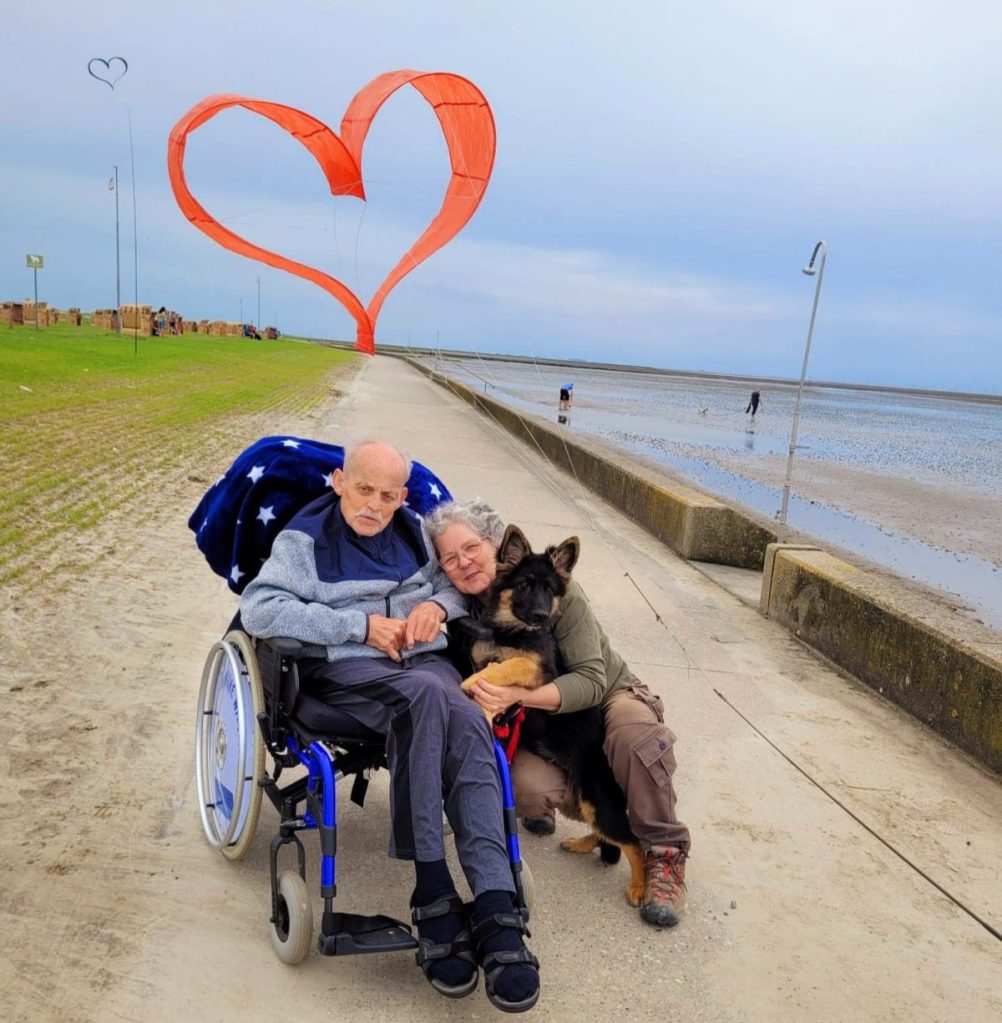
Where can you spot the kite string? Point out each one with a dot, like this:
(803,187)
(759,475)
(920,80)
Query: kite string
(358,235)
(337,247)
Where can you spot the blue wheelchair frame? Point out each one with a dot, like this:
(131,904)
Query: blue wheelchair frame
(290,743)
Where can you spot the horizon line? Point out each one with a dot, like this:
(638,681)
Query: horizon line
(972,396)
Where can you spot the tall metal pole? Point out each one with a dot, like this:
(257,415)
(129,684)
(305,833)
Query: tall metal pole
(241,310)
(135,242)
(118,264)
(810,271)
(35,271)
(257,325)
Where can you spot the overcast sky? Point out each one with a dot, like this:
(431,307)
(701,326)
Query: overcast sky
(663,172)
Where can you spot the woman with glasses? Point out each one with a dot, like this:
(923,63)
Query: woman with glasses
(467,535)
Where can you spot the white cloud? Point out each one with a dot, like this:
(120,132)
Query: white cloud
(662,168)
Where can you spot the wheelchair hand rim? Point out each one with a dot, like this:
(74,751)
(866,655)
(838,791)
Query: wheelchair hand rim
(207,710)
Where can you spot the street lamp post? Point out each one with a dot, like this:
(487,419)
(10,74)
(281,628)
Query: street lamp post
(811,272)
(118,263)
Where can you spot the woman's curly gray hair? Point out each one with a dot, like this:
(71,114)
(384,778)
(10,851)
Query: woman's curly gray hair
(472,512)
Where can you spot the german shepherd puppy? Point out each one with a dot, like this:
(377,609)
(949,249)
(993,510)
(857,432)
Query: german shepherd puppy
(521,651)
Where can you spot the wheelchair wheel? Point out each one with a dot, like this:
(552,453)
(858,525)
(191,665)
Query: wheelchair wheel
(229,750)
(528,888)
(291,932)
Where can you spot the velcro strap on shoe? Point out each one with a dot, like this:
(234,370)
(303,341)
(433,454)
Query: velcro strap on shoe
(490,926)
(460,948)
(496,961)
(452,904)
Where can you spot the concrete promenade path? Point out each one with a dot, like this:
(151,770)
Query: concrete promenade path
(796,782)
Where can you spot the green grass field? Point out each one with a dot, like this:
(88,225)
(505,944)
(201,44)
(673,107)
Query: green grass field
(88,427)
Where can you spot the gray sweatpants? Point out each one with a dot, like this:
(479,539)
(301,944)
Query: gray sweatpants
(439,750)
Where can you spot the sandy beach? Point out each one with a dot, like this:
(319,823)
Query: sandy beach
(951,517)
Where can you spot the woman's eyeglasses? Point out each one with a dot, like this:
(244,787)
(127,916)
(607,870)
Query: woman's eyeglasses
(468,551)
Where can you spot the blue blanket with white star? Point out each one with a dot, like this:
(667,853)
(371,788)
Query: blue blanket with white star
(240,515)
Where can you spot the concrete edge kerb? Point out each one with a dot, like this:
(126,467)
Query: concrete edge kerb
(849,615)
(770,562)
(950,685)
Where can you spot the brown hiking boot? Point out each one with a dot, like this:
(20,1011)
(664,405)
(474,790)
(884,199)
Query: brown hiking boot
(664,887)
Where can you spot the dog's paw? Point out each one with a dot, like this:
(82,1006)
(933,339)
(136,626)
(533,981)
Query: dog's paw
(582,844)
(634,894)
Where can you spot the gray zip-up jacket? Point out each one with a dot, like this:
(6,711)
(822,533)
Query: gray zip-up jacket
(302,592)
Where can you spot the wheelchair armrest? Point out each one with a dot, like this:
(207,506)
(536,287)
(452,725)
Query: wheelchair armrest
(285,646)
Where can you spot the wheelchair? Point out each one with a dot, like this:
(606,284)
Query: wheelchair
(250,703)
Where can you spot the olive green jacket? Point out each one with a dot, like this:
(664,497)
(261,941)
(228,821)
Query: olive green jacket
(591,670)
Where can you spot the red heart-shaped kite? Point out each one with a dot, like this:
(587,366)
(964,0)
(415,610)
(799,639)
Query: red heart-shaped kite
(466,122)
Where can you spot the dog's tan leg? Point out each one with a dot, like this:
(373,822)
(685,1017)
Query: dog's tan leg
(516,671)
(635,889)
(581,844)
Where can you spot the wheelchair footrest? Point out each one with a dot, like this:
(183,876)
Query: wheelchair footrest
(354,935)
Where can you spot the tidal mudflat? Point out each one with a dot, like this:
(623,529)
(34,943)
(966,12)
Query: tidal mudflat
(910,482)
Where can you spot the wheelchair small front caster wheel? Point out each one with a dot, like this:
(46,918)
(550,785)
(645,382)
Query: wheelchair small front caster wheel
(291,931)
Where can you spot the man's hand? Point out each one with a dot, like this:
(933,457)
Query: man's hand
(386,634)
(423,624)
(496,699)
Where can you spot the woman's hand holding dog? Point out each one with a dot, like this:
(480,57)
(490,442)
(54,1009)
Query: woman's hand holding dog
(494,700)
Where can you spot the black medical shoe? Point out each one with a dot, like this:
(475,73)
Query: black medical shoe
(539,825)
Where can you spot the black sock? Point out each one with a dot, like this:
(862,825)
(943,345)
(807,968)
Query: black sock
(514,983)
(434,882)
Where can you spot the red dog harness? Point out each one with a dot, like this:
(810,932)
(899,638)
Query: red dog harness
(509,734)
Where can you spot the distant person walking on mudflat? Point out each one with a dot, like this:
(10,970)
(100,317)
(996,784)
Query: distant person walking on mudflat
(566,396)
(756,397)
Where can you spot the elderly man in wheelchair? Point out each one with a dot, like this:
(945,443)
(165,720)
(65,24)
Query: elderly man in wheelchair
(345,675)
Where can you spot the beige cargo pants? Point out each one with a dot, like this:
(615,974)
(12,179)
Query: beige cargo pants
(638,746)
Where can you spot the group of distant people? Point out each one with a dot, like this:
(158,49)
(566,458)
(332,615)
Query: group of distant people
(164,322)
(567,397)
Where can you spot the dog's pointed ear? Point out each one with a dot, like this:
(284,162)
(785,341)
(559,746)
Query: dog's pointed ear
(514,547)
(565,557)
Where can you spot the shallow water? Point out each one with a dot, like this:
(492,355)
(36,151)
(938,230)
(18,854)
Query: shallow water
(688,424)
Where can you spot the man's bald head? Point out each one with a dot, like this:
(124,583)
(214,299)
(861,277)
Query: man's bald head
(376,449)
(372,485)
